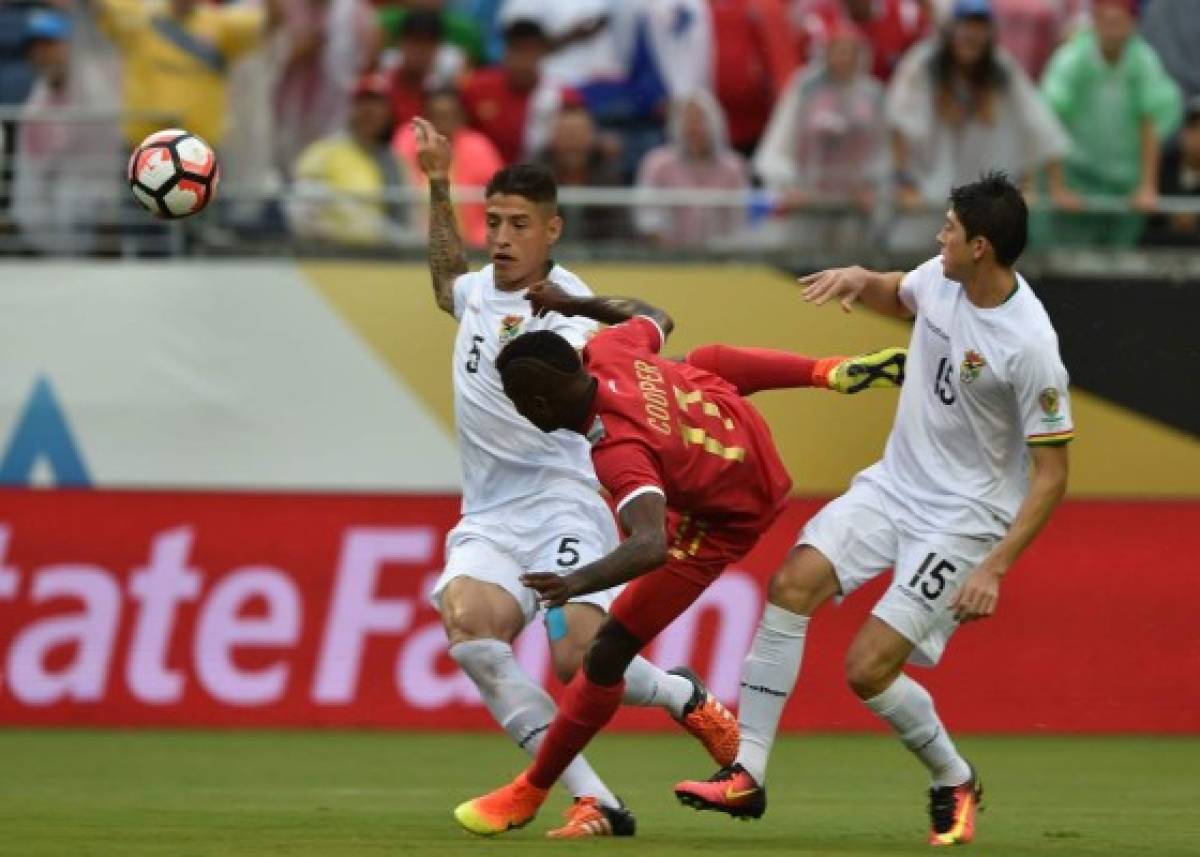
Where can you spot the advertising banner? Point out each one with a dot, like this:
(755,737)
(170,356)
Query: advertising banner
(126,608)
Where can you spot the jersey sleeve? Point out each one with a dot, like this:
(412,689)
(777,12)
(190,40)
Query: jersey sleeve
(1043,398)
(917,282)
(464,287)
(640,333)
(627,469)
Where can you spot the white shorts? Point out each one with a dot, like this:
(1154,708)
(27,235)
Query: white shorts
(557,533)
(857,536)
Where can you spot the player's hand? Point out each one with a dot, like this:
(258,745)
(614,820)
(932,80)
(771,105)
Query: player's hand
(433,150)
(980,594)
(546,296)
(553,590)
(840,284)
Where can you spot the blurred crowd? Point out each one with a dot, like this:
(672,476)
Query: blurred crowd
(835,119)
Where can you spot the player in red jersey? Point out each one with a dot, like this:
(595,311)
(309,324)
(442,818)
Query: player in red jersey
(694,474)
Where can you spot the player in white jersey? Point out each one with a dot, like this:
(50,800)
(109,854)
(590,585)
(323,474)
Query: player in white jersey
(950,507)
(530,500)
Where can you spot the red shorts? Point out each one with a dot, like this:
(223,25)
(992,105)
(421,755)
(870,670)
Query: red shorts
(697,554)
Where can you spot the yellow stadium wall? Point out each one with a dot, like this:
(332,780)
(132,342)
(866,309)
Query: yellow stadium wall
(824,438)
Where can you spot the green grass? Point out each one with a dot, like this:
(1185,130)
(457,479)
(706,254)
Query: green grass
(125,794)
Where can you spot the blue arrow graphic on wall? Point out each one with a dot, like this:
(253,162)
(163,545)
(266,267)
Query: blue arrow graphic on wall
(42,432)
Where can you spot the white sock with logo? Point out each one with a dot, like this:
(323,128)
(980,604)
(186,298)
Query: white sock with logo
(908,707)
(768,676)
(647,684)
(523,709)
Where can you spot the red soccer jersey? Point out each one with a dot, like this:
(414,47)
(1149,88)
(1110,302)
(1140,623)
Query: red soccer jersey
(659,425)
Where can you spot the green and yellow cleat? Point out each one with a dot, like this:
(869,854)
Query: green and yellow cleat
(882,368)
(504,809)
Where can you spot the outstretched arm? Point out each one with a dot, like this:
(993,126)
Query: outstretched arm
(879,291)
(645,549)
(549,297)
(447,260)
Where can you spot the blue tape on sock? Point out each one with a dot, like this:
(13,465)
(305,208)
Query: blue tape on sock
(556,623)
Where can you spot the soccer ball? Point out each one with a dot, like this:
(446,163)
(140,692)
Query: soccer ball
(173,173)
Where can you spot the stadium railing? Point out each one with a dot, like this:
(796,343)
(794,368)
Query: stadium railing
(92,213)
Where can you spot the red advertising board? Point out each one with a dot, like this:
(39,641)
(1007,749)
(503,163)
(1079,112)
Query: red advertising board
(151,608)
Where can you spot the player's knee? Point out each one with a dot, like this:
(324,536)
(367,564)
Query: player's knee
(466,618)
(868,672)
(800,586)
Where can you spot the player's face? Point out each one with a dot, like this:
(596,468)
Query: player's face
(520,234)
(958,254)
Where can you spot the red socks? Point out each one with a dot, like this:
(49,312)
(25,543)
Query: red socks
(582,712)
(755,369)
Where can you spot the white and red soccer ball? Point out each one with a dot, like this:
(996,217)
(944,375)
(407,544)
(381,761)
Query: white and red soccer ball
(173,173)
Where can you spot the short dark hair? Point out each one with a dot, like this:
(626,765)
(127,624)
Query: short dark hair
(524,28)
(532,181)
(422,24)
(540,346)
(994,208)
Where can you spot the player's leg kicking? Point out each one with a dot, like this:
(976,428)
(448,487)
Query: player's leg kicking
(847,544)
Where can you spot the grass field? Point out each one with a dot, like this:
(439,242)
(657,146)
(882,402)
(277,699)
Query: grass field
(125,794)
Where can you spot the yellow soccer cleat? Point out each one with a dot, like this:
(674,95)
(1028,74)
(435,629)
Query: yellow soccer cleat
(882,368)
(504,809)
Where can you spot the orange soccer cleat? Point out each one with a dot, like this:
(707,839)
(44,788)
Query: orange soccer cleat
(952,811)
(588,817)
(506,808)
(730,790)
(710,722)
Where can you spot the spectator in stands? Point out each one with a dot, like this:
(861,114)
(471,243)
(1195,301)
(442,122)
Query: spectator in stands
(1172,27)
(422,64)
(754,59)
(461,30)
(891,27)
(176,59)
(475,158)
(697,155)
(581,39)
(827,140)
(959,106)
(1030,30)
(578,157)
(342,181)
(67,180)
(511,103)
(1179,175)
(326,46)
(1116,100)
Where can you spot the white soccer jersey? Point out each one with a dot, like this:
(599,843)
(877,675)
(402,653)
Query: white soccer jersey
(504,456)
(980,386)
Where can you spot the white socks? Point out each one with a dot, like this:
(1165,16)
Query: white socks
(908,707)
(646,684)
(768,676)
(523,709)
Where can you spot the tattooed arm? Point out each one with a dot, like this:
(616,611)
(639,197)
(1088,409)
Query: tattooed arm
(447,261)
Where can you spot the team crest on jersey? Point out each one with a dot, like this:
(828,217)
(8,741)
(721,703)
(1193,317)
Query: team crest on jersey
(510,327)
(1049,400)
(972,366)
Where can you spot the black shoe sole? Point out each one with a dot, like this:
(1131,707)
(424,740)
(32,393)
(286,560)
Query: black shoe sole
(754,811)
